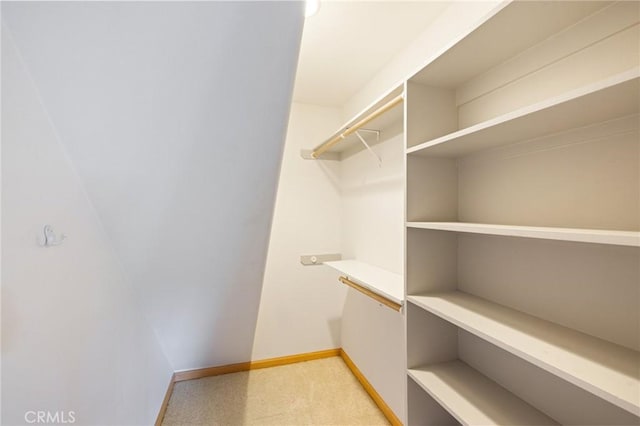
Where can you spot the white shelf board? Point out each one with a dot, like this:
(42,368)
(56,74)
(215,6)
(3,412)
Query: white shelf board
(378,280)
(596,236)
(386,120)
(474,399)
(610,371)
(605,100)
(469,56)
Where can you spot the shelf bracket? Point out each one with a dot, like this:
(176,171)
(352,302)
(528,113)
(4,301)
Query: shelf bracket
(377,132)
(357,132)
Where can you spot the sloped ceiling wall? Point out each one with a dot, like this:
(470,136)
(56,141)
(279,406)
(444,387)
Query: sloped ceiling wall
(174,115)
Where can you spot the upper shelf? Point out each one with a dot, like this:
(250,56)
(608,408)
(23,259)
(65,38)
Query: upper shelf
(595,236)
(378,280)
(382,114)
(598,102)
(527,23)
(603,368)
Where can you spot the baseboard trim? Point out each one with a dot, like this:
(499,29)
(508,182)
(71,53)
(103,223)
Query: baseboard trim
(200,373)
(386,410)
(165,401)
(253,365)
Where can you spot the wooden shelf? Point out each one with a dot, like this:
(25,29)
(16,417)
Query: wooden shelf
(378,280)
(605,369)
(473,399)
(598,102)
(596,236)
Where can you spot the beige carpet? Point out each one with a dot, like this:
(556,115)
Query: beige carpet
(322,392)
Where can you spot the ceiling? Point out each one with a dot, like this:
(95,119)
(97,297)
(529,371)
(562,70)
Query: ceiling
(347,42)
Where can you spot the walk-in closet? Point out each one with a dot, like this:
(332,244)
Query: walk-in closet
(320,213)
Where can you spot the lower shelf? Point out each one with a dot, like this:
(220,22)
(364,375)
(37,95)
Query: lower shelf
(474,399)
(607,370)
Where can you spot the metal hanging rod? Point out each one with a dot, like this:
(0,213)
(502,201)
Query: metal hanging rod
(388,303)
(373,115)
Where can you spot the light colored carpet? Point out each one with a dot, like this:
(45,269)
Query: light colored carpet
(321,392)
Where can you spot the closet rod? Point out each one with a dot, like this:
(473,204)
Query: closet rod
(366,291)
(373,115)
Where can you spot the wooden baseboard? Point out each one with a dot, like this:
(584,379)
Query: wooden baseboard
(199,373)
(386,410)
(165,402)
(274,362)
(253,365)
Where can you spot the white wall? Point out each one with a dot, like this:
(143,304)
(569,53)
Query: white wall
(174,115)
(460,18)
(373,220)
(373,337)
(372,203)
(301,306)
(73,336)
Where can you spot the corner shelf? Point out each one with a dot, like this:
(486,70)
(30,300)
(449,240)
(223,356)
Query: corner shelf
(605,100)
(378,280)
(473,399)
(610,371)
(596,236)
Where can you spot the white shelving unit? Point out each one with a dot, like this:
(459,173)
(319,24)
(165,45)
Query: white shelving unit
(378,280)
(473,399)
(522,220)
(603,368)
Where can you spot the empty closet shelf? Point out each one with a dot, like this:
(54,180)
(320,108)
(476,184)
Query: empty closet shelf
(611,98)
(596,236)
(605,369)
(377,280)
(474,399)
